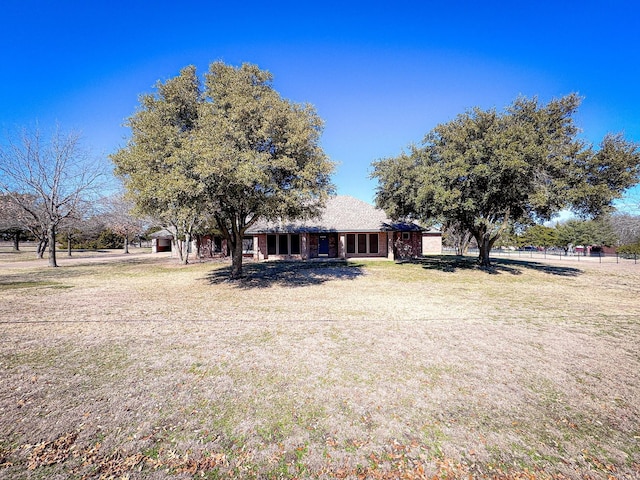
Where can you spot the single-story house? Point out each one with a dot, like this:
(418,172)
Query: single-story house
(346,228)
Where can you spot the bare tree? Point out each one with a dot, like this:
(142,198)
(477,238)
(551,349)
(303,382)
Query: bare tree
(11,222)
(13,216)
(119,218)
(457,236)
(627,227)
(47,178)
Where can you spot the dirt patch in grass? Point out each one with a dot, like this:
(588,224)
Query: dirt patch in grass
(149,369)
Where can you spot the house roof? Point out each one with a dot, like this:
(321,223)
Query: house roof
(342,213)
(164,233)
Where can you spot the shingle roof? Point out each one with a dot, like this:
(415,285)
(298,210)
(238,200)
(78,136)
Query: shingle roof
(342,213)
(164,233)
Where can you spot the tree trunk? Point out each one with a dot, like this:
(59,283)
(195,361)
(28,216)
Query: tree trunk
(16,241)
(42,246)
(199,247)
(176,247)
(52,247)
(236,258)
(484,245)
(69,245)
(462,245)
(486,235)
(126,244)
(485,242)
(184,257)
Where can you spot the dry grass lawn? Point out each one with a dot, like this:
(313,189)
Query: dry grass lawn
(143,368)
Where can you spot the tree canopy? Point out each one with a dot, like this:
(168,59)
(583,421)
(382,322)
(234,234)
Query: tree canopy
(540,236)
(590,232)
(486,169)
(229,147)
(157,164)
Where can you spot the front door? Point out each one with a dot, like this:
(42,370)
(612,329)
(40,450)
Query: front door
(323,246)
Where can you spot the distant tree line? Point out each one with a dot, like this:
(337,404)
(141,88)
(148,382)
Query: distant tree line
(621,231)
(96,226)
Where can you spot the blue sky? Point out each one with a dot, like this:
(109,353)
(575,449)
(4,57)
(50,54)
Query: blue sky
(380,74)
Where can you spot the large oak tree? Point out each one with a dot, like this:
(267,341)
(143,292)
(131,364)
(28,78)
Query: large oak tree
(487,169)
(229,147)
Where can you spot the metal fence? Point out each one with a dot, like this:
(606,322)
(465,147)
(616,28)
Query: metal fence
(559,254)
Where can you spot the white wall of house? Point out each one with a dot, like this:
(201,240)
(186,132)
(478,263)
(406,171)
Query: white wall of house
(431,243)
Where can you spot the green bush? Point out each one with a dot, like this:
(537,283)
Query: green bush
(630,249)
(109,239)
(106,239)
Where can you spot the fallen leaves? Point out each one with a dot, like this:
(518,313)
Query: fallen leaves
(397,461)
(48,453)
(115,464)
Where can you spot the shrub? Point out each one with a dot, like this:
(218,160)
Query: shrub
(630,249)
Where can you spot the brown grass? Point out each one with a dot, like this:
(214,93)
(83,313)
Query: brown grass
(142,368)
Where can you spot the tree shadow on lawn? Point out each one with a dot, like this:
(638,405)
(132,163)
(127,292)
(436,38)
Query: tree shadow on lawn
(288,273)
(448,263)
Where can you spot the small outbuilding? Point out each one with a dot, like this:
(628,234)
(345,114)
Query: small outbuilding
(161,241)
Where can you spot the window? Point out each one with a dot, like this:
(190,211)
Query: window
(373,243)
(367,243)
(271,245)
(351,243)
(295,244)
(217,244)
(283,244)
(247,245)
(362,243)
(406,235)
